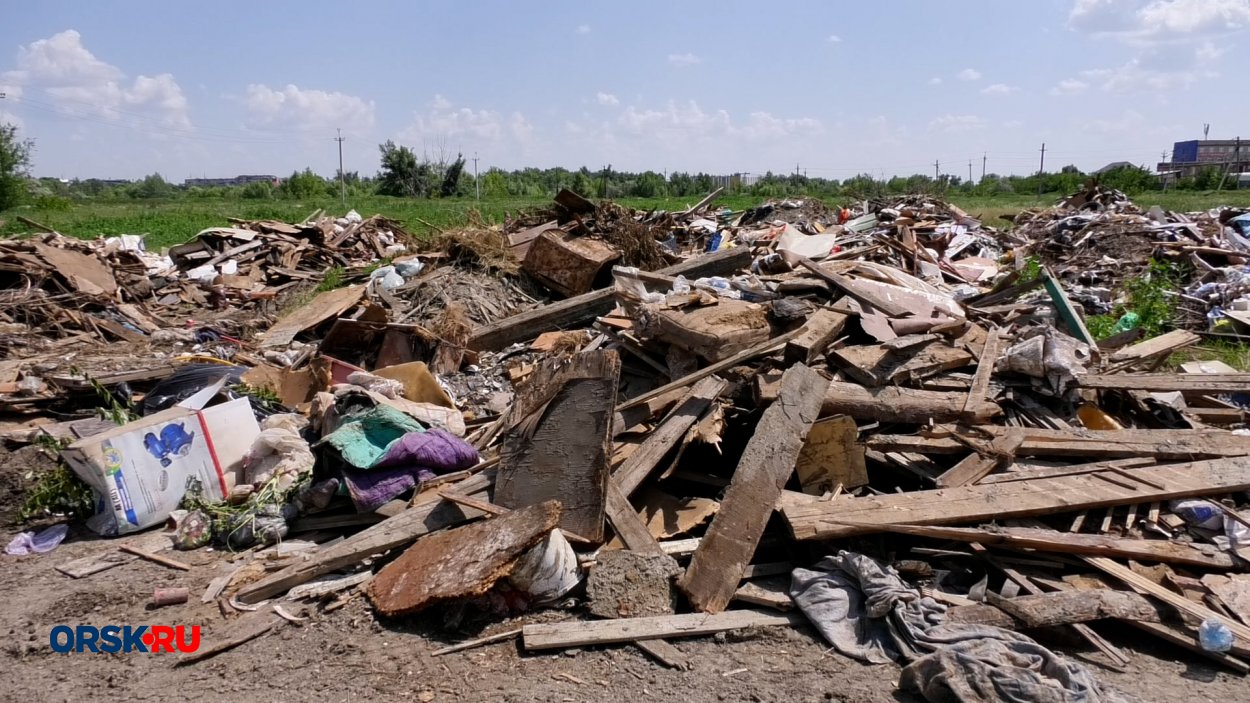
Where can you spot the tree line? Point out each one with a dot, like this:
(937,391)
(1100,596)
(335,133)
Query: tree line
(404,173)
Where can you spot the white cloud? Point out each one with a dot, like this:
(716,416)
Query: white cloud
(969,74)
(606,99)
(1158,21)
(308,110)
(999,89)
(82,84)
(1013,124)
(679,123)
(8,118)
(835,39)
(1070,86)
(1140,74)
(684,59)
(470,128)
(956,123)
(582,29)
(935,81)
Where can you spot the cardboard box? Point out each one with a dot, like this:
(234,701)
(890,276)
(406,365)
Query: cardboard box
(142,468)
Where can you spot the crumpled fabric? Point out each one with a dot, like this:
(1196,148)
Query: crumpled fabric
(37,543)
(362,438)
(868,613)
(406,461)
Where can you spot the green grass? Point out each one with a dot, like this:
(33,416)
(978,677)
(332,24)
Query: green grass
(172,222)
(1235,355)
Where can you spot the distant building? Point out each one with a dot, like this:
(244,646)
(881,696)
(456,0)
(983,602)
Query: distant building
(1112,166)
(227,182)
(1188,158)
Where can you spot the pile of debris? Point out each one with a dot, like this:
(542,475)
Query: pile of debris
(665,450)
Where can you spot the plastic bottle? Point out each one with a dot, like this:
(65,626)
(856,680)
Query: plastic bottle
(1214,636)
(1127,321)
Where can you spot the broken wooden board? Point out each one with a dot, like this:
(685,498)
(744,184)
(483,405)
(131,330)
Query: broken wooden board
(831,456)
(894,404)
(326,306)
(598,632)
(579,310)
(879,365)
(1163,344)
(667,516)
(766,465)
(109,556)
(864,294)
(86,274)
(460,563)
(520,242)
(818,332)
(978,465)
(978,392)
(628,525)
(1163,382)
(1175,445)
(1043,540)
(630,474)
(1233,591)
(386,535)
(241,631)
(559,438)
(843,518)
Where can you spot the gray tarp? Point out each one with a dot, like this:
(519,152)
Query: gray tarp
(867,612)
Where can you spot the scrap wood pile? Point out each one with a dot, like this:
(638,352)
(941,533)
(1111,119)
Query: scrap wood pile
(673,454)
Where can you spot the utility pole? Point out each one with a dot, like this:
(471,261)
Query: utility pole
(342,183)
(1041,168)
(477,184)
(935,170)
(983,156)
(969,170)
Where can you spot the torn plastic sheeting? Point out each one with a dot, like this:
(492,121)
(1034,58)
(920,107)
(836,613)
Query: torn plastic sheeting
(40,542)
(548,571)
(277,451)
(1051,356)
(812,246)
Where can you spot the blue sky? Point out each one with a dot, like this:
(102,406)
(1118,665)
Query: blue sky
(123,89)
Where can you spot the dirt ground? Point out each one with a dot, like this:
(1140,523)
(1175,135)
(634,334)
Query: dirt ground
(347,655)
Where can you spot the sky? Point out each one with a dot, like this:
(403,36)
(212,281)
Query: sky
(124,89)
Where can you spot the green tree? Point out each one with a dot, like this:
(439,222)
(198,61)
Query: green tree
(303,184)
(14,163)
(152,187)
(257,190)
(451,178)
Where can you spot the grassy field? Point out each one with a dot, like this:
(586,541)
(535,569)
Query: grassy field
(172,222)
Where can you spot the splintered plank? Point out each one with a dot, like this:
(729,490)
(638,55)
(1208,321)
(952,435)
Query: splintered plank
(461,562)
(559,438)
(985,370)
(388,534)
(894,404)
(582,634)
(1160,444)
(1044,540)
(766,464)
(582,308)
(1164,343)
(630,474)
(1043,496)
(819,330)
(878,365)
(1143,585)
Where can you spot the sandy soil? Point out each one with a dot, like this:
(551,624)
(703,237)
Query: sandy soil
(347,655)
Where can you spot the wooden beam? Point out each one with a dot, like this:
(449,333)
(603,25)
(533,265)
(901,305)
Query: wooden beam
(579,309)
(1178,445)
(979,391)
(964,504)
(586,633)
(1059,608)
(634,470)
(818,332)
(1164,382)
(766,465)
(627,524)
(1044,540)
(977,466)
(895,404)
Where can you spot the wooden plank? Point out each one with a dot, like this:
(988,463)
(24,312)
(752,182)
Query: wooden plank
(746,355)
(879,365)
(766,465)
(1190,642)
(860,293)
(627,524)
(1181,603)
(580,309)
(242,631)
(1163,382)
(895,404)
(665,653)
(630,474)
(963,504)
(1067,543)
(559,438)
(326,306)
(1093,444)
(818,332)
(1164,343)
(977,394)
(977,465)
(831,456)
(597,632)
(1016,473)
(386,535)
